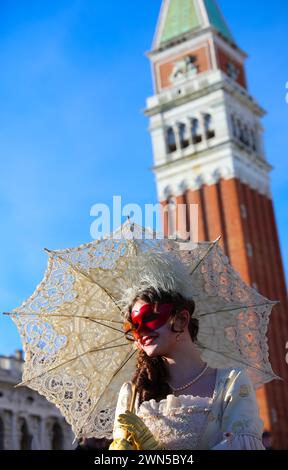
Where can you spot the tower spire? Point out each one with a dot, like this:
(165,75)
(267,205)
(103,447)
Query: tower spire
(181,19)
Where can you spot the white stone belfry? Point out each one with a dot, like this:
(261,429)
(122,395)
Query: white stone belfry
(203,122)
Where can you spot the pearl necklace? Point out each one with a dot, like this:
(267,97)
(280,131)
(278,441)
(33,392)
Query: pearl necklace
(191,382)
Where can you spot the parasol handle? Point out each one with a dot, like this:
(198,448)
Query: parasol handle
(132,404)
(133,398)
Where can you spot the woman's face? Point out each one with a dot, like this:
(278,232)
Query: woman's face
(155,342)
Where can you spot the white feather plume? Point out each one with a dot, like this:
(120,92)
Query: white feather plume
(161,271)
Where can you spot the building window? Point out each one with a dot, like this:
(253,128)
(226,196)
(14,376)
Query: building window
(243,211)
(249,250)
(57,437)
(196,137)
(234,126)
(25,437)
(241,132)
(232,71)
(253,140)
(184,142)
(208,126)
(244,133)
(237,125)
(171,140)
(274,415)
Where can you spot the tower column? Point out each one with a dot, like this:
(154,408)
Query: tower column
(196,197)
(234,230)
(213,213)
(177,137)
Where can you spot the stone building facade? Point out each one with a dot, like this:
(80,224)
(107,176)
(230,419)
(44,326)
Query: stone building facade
(28,420)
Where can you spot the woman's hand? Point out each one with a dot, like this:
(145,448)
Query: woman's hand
(138,430)
(121,444)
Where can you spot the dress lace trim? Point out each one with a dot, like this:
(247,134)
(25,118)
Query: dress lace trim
(181,401)
(172,402)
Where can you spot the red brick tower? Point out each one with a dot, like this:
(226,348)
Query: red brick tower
(208,150)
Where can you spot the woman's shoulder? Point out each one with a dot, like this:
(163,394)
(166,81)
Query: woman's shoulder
(233,375)
(235,381)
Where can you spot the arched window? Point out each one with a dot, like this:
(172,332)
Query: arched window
(234,126)
(184,142)
(246,135)
(2,435)
(232,71)
(57,437)
(196,137)
(253,140)
(208,126)
(171,140)
(25,437)
(241,132)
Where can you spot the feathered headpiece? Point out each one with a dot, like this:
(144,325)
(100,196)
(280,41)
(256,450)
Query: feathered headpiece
(162,272)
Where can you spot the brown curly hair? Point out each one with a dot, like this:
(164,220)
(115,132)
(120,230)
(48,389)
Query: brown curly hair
(151,377)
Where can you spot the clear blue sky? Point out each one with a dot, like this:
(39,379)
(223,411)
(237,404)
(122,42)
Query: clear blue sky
(73,84)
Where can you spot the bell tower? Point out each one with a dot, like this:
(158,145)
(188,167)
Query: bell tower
(208,150)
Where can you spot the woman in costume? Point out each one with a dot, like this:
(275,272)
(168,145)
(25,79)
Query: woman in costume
(181,403)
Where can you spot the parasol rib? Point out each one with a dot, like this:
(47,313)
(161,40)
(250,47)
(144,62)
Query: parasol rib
(206,254)
(241,361)
(54,253)
(10,314)
(74,359)
(241,307)
(48,315)
(113,376)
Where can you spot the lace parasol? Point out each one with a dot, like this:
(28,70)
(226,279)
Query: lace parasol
(76,352)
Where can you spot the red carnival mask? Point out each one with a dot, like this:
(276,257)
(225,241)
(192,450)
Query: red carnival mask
(150,316)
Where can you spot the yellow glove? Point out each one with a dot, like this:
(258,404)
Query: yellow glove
(141,437)
(121,444)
